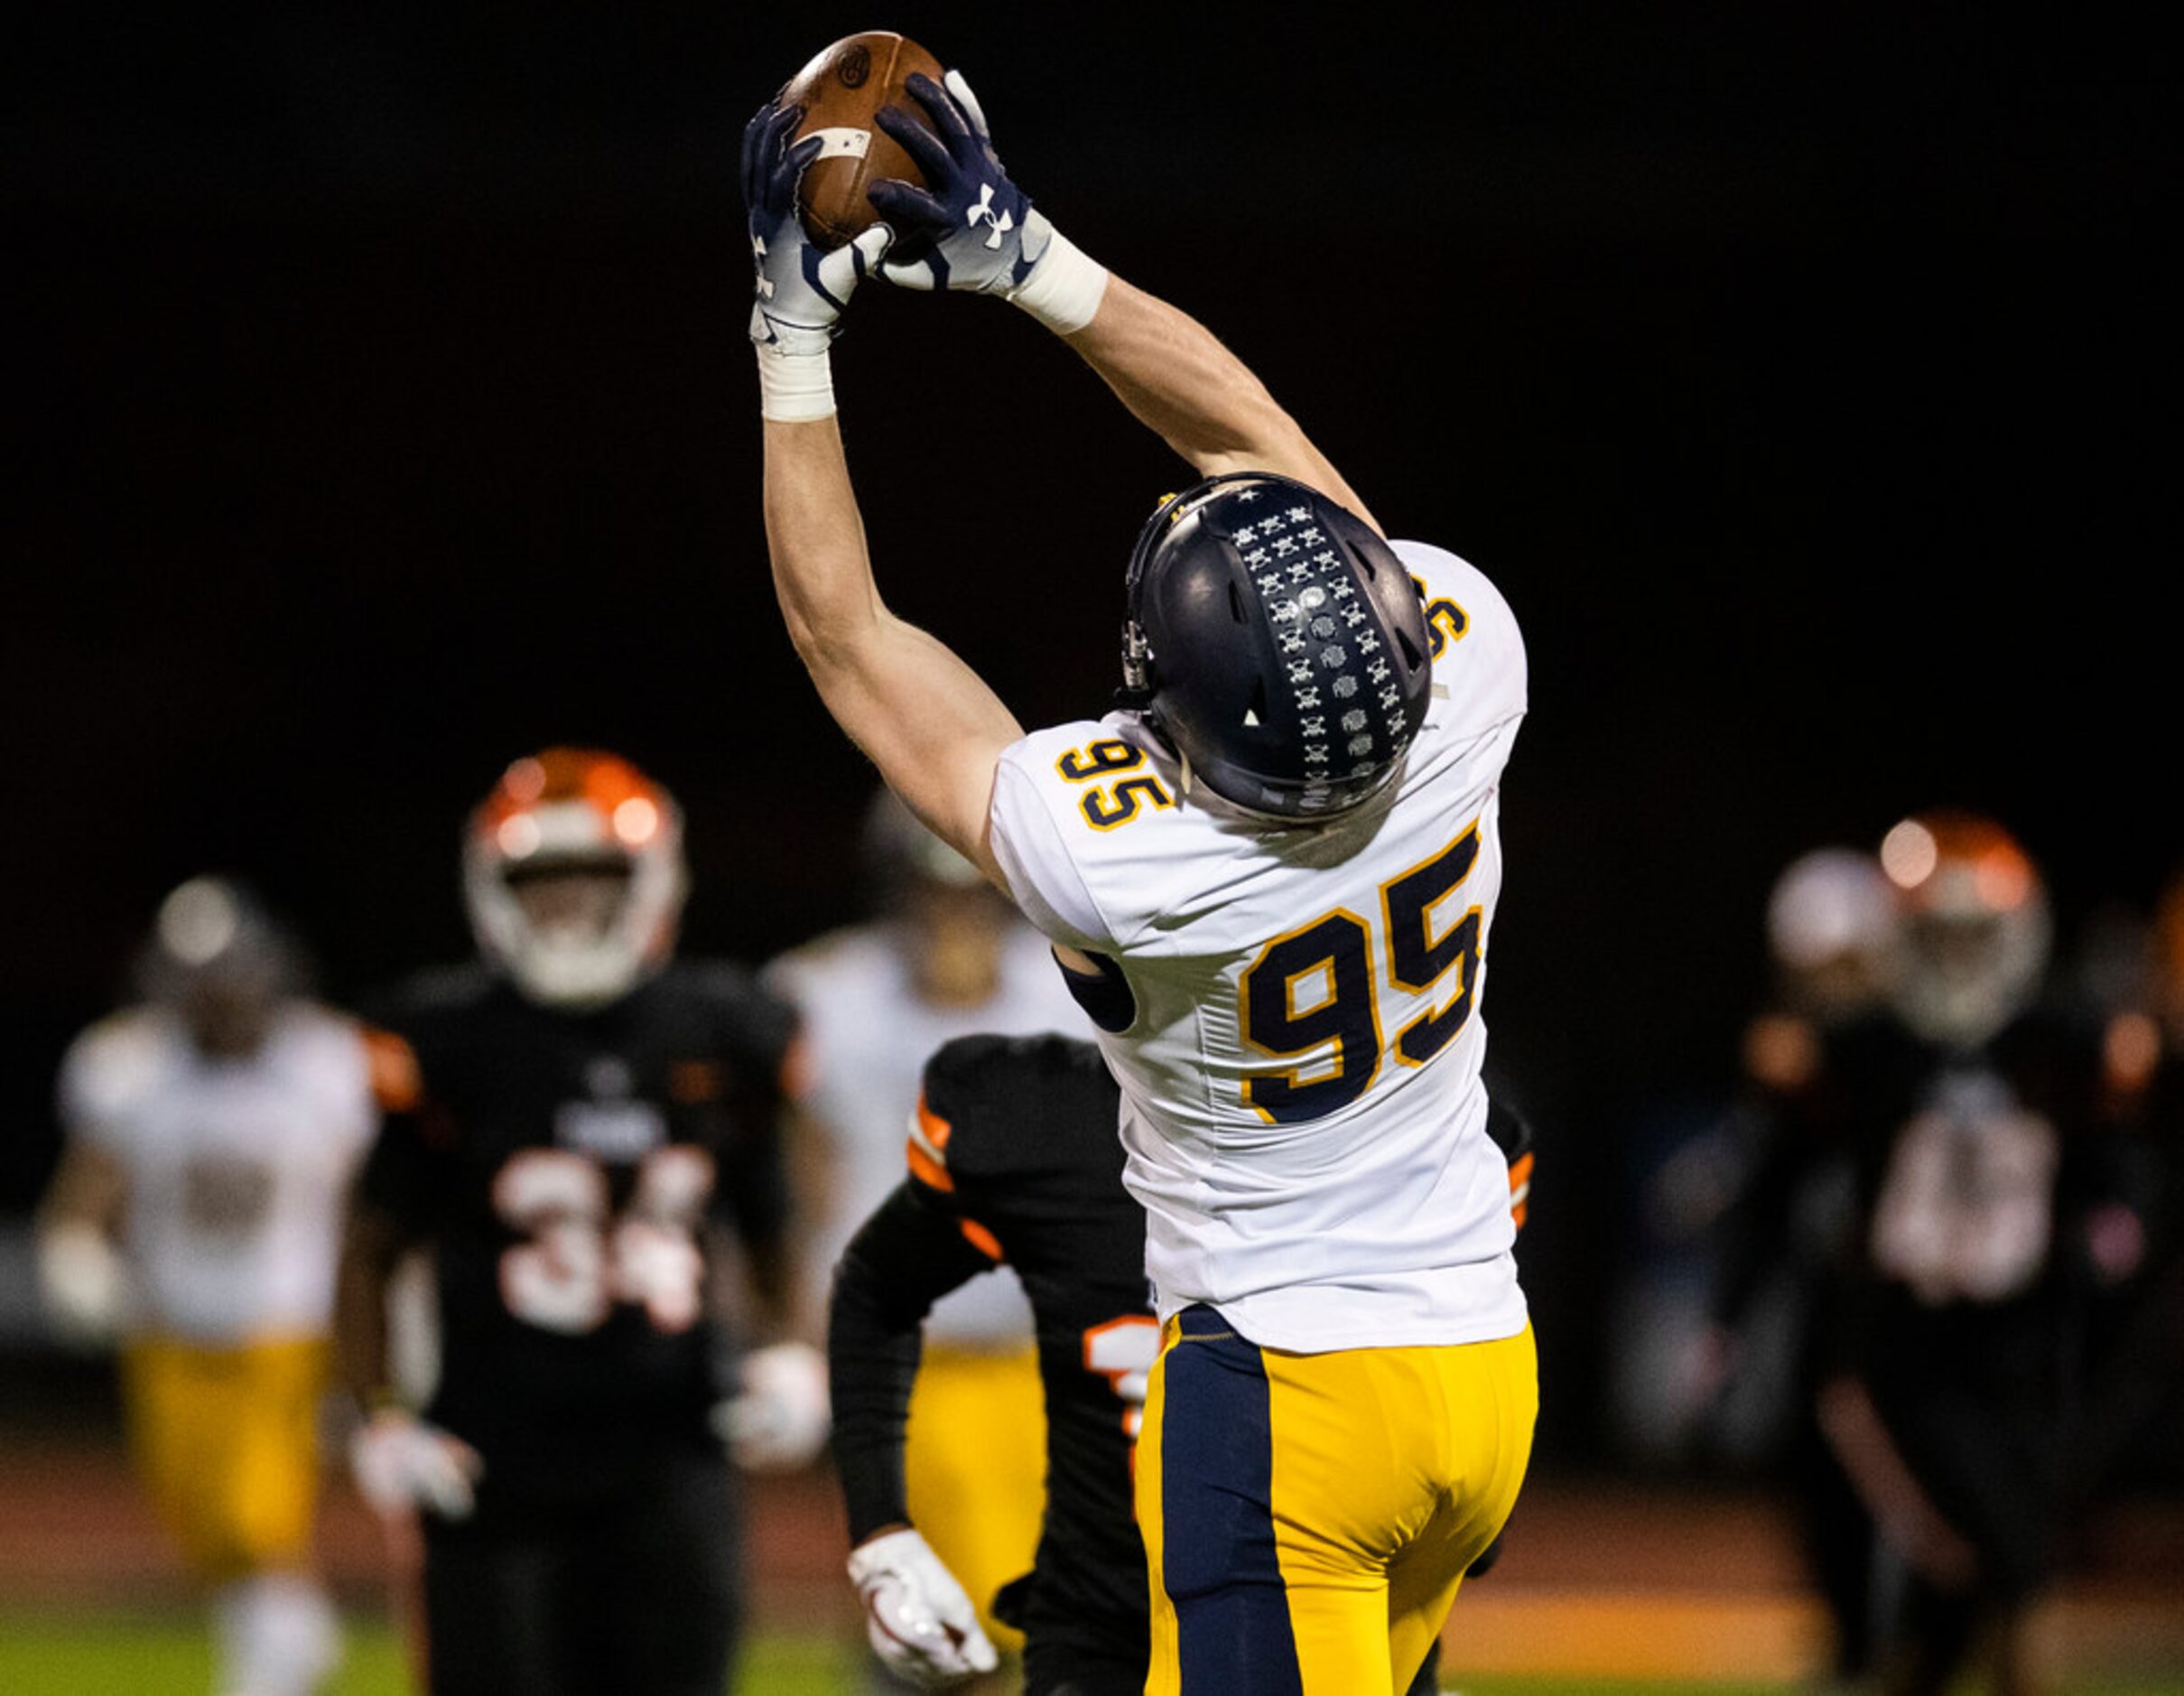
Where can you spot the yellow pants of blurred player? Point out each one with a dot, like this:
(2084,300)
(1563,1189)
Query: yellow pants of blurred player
(974,1465)
(1307,1518)
(227,1443)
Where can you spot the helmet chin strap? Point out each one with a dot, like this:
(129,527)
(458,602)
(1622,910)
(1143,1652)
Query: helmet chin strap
(1137,689)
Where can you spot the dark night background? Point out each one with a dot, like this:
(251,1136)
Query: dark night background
(380,409)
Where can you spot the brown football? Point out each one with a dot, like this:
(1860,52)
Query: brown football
(839,91)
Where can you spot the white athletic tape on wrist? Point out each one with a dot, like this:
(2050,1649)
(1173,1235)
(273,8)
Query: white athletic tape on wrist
(794,388)
(1064,288)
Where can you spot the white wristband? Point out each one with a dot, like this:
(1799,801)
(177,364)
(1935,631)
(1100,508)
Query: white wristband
(1064,288)
(795,388)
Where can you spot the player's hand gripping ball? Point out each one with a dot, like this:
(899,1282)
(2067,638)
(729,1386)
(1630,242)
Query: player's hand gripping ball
(841,93)
(961,223)
(800,291)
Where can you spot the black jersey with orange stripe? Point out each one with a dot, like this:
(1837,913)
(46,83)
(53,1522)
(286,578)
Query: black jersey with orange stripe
(1014,1158)
(571,1172)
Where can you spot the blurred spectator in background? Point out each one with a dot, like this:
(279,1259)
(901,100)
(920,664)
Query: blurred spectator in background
(212,1131)
(584,1122)
(945,956)
(1951,1308)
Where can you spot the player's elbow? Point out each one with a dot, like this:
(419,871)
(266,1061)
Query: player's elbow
(832,634)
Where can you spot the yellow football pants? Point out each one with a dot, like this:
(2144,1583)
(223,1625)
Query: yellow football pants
(226,1443)
(1307,1518)
(974,1466)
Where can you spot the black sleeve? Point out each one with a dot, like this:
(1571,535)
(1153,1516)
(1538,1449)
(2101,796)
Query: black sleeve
(907,1255)
(402,1176)
(405,1173)
(1509,1129)
(753,1193)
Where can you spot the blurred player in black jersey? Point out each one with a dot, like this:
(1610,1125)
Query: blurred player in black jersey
(1014,1160)
(1947,1361)
(581,1120)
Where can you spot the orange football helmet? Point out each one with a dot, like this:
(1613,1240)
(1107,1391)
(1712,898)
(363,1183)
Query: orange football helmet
(1977,932)
(573,811)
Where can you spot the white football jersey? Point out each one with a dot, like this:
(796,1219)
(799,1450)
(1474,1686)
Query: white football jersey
(238,1170)
(1301,1104)
(866,1036)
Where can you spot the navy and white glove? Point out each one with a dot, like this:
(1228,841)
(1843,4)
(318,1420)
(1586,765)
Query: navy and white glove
(917,1617)
(801,291)
(970,227)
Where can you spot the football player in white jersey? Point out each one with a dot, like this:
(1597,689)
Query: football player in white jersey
(945,955)
(212,1133)
(1273,876)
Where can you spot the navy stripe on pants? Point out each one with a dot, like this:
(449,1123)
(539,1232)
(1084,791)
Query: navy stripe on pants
(1216,1515)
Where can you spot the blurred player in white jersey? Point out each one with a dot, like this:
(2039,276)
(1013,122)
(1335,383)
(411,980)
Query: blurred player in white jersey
(212,1132)
(1272,875)
(945,956)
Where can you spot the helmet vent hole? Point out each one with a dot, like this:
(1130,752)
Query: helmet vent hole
(1236,609)
(1412,658)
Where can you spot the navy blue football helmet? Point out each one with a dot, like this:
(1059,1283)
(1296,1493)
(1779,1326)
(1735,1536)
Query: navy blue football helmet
(1274,641)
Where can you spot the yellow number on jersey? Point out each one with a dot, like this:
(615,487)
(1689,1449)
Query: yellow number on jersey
(1106,806)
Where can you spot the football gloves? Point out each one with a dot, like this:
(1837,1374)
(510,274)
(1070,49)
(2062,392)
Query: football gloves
(781,1418)
(400,1462)
(800,291)
(917,1617)
(970,227)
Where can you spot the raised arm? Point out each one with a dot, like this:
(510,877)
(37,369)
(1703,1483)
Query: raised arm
(974,229)
(1185,385)
(924,719)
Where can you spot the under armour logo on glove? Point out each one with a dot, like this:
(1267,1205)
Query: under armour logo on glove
(966,191)
(1001,223)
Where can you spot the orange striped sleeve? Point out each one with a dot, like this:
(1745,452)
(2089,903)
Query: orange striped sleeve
(927,1149)
(391,1064)
(1519,1189)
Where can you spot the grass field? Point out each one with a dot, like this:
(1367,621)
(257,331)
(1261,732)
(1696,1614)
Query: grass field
(123,1653)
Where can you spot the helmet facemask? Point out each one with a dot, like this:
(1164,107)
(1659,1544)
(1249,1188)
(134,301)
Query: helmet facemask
(574,878)
(1977,931)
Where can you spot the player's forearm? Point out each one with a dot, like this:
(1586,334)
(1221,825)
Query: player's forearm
(88,1193)
(815,537)
(1180,380)
(770,1270)
(361,1359)
(872,1356)
(903,1259)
